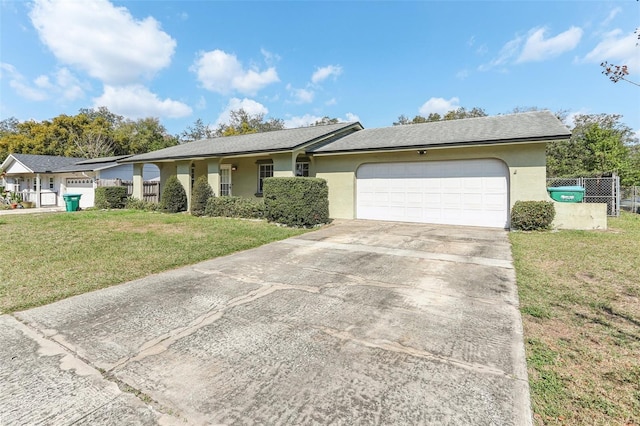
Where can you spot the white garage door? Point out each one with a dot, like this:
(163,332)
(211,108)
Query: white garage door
(465,192)
(83,186)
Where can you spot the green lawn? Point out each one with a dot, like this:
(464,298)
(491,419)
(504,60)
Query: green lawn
(580,302)
(48,257)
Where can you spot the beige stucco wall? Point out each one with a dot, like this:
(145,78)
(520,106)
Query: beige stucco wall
(580,216)
(526,164)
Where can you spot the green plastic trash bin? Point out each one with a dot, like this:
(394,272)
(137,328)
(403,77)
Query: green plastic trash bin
(72,202)
(566,194)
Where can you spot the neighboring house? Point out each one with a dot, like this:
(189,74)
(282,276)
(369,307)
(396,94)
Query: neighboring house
(44,179)
(462,172)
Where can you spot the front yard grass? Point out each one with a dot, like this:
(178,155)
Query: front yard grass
(580,302)
(48,257)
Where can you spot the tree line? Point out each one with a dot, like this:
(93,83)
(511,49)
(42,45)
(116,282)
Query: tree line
(600,144)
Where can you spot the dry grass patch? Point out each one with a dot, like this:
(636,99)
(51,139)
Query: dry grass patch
(48,257)
(579,294)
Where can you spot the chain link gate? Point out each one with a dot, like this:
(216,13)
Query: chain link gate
(596,190)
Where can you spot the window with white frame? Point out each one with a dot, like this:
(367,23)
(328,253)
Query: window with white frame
(302,168)
(50,183)
(265,170)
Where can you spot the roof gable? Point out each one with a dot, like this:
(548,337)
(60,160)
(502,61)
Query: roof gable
(41,163)
(279,140)
(531,126)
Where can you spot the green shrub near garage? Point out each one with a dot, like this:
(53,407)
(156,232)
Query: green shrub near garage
(532,215)
(296,201)
(110,197)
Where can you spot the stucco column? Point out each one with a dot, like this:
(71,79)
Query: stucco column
(213,176)
(183,171)
(283,165)
(138,181)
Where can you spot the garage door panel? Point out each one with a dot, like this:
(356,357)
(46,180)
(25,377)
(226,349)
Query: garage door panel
(465,192)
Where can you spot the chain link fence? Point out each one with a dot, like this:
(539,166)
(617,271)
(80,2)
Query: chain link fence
(596,190)
(630,199)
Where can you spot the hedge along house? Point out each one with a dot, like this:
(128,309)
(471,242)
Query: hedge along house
(461,172)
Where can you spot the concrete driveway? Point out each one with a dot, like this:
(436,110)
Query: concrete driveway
(358,323)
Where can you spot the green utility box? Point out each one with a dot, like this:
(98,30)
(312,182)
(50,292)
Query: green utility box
(72,202)
(566,194)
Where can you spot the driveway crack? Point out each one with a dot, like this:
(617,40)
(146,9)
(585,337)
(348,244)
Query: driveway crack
(396,347)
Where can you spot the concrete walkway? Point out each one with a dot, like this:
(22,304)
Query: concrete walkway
(358,323)
(32,211)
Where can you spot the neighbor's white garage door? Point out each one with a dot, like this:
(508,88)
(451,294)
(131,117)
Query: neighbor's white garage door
(83,186)
(465,192)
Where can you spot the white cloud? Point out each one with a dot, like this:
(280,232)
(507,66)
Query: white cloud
(614,12)
(439,105)
(136,101)
(269,57)
(352,117)
(534,47)
(102,39)
(301,96)
(222,72)
(537,48)
(309,119)
(62,84)
(323,73)
(618,47)
(249,105)
(506,54)
(462,74)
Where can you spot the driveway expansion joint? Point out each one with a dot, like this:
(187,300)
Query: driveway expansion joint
(445,257)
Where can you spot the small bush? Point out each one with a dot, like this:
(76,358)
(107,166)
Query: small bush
(297,201)
(201,193)
(532,215)
(174,197)
(136,204)
(110,197)
(227,206)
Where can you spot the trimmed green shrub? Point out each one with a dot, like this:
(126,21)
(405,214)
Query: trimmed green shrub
(110,197)
(136,204)
(227,206)
(532,215)
(296,201)
(201,193)
(174,197)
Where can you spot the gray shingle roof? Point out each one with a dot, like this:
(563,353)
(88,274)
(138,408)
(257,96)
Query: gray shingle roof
(280,140)
(530,126)
(45,163)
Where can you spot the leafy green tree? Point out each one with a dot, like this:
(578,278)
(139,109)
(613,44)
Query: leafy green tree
(174,197)
(197,131)
(242,123)
(325,121)
(90,133)
(599,144)
(454,114)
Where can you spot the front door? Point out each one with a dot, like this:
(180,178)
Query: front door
(225,179)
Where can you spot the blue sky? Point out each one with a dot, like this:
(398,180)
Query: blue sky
(302,60)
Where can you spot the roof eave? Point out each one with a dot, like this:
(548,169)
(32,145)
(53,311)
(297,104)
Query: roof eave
(445,145)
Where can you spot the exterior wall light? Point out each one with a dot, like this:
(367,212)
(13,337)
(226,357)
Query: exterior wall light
(421,152)
(234,167)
